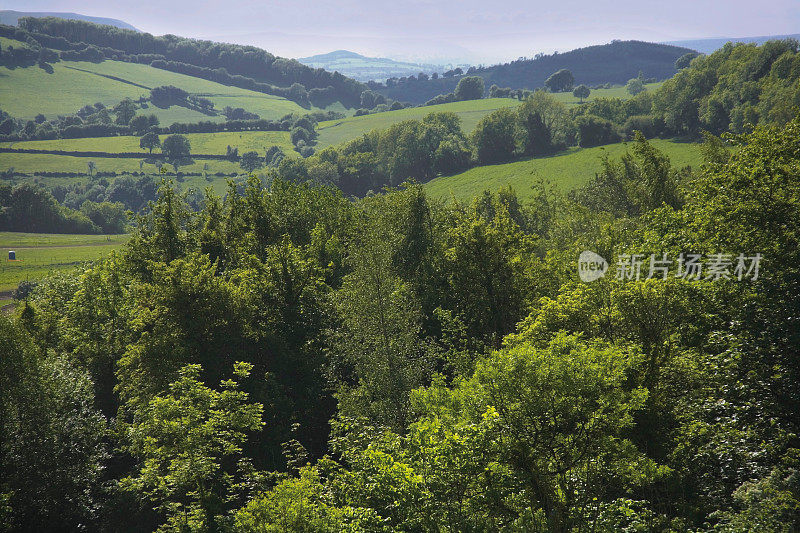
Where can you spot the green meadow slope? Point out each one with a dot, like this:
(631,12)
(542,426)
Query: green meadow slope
(334,132)
(566,170)
(201,143)
(26,92)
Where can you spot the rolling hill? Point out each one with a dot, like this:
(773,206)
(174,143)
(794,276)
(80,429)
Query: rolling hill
(706,46)
(333,132)
(566,170)
(26,92)
(10,18)
(615,63)
(363,68)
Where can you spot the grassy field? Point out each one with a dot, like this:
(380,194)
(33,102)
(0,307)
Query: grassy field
(202,143)
(26,92)
(40,254)
(5,42)
(614,92)
(334,132)
(567,170)
(32,163)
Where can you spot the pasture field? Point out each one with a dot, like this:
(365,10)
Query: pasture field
(5,42)
(614,92)
(26,92)
(40,254)
(334,132)
(202,143)
(33,163)
(566,170)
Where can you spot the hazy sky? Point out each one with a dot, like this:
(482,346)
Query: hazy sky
(470,30)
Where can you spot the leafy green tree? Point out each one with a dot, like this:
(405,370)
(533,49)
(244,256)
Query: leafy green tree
(109,217)
(250,161)
(581,91)
(484,268)
(303,504)
(595,131)
(685,60)
(543,124)
(493,137)
(140,124)
(379,334)
(124,111)
(176,148)
(641,181)
(560,81)
(150,140)
(52,448)
(469,88)
(560,414)
(187,442)
(634,86)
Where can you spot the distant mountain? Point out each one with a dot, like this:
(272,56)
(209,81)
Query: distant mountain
(363,68)
(10,18)
(616,63)
(706,46)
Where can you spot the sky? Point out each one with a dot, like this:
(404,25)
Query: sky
(468,31)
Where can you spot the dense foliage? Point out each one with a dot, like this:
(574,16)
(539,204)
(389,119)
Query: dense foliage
(285,359)
(616,62)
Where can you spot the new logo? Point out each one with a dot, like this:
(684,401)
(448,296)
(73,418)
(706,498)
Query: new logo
(591,266)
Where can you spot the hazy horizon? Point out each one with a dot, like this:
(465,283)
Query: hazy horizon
(443,31)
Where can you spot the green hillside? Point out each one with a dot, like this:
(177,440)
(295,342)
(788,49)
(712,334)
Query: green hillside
(26,92)
(363,68)
(615,62)
(333,132)
(202,143)
(567,170)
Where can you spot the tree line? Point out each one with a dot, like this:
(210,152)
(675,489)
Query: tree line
(616,62)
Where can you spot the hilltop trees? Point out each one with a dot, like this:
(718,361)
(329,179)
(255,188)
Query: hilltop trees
(685,60)
(748,84)
(560,81)
(244,66)
(469,88)
(544,124)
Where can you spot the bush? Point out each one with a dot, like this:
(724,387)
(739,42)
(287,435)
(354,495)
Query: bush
(595,131)
(493,138)
(650,126)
